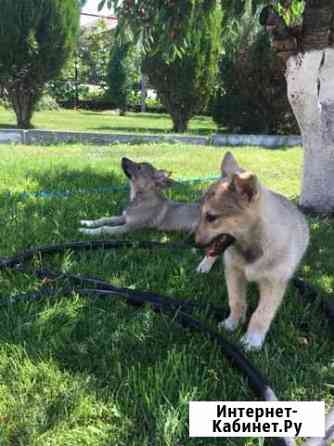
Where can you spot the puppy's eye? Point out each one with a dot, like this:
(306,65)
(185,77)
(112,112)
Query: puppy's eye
(211,218)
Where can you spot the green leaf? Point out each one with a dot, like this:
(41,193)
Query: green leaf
(101,5)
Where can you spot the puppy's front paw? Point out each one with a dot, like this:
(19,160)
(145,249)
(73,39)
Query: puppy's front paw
(252,341)
(87,223)
(229,324)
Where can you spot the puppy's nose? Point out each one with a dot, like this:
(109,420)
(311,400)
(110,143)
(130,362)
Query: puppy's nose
(200,241)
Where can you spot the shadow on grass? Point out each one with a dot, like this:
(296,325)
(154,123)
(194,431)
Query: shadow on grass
(154,130)
(102,341)
(8,126)
(320,254)
(135,357)
(144,116)
(67,179)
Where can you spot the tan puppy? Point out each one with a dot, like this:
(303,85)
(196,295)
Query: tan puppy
(271,238)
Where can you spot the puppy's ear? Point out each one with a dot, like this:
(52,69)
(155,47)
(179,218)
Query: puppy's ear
(162,179)
(246,184)
(229,165)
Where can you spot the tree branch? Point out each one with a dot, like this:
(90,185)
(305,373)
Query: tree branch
(318,24)
(284,38)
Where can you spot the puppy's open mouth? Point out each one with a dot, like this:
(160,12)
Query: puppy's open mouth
(219,244)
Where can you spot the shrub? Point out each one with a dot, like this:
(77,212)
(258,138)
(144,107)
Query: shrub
(252,98)
(186,83)
(151,104)
(123,74)
(46,103)
(36,38)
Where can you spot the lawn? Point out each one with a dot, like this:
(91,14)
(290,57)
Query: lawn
(107,122)
(75,371)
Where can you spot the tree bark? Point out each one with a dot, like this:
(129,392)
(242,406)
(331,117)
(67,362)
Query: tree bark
(23,105)
(310,79)
(180,121)
(143,94)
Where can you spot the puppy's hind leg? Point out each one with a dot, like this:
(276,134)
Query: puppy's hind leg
(113,221)
(271,295)
(237,288)
(106,230)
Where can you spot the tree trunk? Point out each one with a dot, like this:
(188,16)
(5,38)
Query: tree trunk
(310,79)
(180,121)
(23,105)
(143,94)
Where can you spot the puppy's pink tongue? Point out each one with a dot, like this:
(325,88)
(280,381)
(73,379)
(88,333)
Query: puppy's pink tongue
(219,245)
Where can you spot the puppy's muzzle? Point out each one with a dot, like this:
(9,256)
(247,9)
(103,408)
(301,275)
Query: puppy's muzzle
(217,245)
(128,167)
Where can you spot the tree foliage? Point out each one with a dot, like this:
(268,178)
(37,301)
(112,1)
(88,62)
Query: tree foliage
(297,26)
(252,97)
(36,36)
(88,64)
(186,83)
(176,21)
(118,77)
(179,17)
(94,52)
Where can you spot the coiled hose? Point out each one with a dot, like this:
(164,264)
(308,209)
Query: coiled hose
(180,309)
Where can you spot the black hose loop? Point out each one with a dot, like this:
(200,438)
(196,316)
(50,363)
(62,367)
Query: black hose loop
(172,306)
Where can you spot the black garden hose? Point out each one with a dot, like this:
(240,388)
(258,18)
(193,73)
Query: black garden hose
(154,299)
(10,262)
(177,307)
(172,306)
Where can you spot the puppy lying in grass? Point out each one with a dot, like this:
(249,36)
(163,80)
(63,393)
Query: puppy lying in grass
(149,208)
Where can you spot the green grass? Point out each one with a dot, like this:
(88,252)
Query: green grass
(75,371)
(107,122)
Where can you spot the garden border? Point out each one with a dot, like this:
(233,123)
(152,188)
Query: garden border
(27,137)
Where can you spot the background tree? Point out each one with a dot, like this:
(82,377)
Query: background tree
(181,43)
(305,41)
(185,84)
(86,67)
(307,48)
(176,20)
(94,52)
(119,77)
(252,97)
(36,38)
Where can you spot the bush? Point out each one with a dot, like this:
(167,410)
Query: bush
(91,92)
(253,95)
(4,103)
(154,105)
(46,103)
(186,83)
(64,91)
(36,38)
(151,104)
(123,74)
